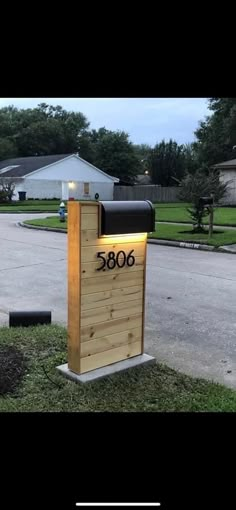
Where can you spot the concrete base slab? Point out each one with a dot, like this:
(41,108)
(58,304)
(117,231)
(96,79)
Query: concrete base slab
(108,370)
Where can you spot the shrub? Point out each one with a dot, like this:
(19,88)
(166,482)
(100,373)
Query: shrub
(12,368)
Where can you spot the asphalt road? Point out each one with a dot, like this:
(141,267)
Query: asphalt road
(190,297)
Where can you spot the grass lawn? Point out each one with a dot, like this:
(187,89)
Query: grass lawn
(183,233)
(169,232)
(177,212)
(153,388)
(31,206)
(53,222)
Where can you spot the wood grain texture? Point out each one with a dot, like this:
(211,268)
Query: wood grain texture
(110,327)
(109,342)
(89,221)
(110,297)
(90,269)
(89,254)
(74,292)
(110,282)
(111,356)
(90,237)
(109,312)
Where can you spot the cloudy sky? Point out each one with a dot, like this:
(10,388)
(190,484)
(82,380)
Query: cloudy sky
(147,120)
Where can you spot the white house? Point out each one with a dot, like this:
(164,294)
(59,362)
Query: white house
(61,176)
(227,171)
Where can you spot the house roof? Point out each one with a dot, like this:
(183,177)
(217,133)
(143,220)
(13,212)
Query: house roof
(226,164)
(25,166)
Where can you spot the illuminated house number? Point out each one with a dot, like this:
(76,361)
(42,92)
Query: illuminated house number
(112,260)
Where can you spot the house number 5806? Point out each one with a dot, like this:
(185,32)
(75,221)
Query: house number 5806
(115,260)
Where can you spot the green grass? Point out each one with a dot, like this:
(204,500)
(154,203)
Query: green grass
(178,213)
(52,222)
(175,212)
(175,233)
(169,232)
(24,203)
(31,206)
(150,388)
(29,209)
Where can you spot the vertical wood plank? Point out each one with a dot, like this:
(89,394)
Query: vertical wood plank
(144,293)
(74,293)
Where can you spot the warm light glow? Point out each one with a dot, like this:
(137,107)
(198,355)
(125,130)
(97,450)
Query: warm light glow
(124,238)
(146,172)
(71,185)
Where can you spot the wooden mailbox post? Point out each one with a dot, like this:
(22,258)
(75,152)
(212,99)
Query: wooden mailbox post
(106,282)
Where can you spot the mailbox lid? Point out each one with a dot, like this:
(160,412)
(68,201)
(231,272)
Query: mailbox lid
(126,217)
(205,201)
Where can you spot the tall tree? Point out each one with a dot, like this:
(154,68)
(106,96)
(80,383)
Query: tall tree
(216,135)
(40,131)
(143,152)
(167,163)
(115,154)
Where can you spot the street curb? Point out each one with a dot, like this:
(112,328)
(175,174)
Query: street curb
(163,242)
(47,229)
(182,244)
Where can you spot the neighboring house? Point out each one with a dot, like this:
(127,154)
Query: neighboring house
(61,176)
(143,179)
(227,171)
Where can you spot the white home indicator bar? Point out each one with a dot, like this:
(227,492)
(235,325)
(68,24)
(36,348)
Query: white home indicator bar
(119,504)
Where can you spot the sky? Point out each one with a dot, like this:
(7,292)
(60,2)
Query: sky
(146,120)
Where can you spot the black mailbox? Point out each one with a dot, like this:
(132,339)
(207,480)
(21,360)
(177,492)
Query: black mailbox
(205,201)
(126,217)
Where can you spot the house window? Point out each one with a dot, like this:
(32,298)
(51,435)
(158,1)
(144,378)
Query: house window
(86,188)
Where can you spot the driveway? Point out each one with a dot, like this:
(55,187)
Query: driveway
(190,296)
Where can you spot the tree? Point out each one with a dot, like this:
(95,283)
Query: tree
(114,154)
(7,188)
(190,158)
(195,186)
(40,131)
(216,135)
(167,163)
(8,149)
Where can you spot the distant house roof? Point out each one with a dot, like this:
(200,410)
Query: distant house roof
(20,167)
(143,179)
(226,164)
(24,166)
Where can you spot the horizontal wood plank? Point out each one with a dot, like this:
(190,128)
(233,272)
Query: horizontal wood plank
(110,327)
(89,269)
(89,222)
(110,342)
(109,312)
(110,356)
(110,297)
(110,282)
(89,254)
(89,209)
(90,237)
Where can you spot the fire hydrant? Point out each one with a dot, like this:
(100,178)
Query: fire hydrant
(62,211)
